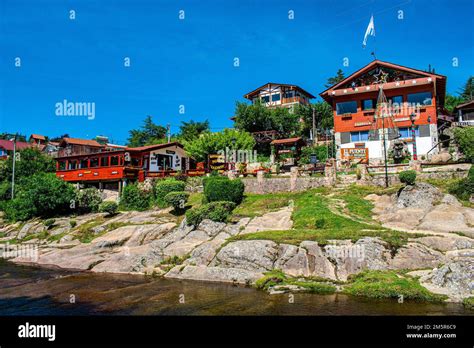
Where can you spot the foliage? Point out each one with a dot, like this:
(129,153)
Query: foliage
(224,189)
(49,223)
(72,223)
(8,136)
(211,143)
(464,188)
(323,116)
(149,134)
(277,277)
(320,151)
(259,204)
(30,161)
(335,79)
(468,302)
(163,187)
(407,177)
(135,199)
(467,92)
(42,195)
(389,284)
(215,211)
(108,207)
(177,199)
(191,130)
(88,200)
(452,101)
(464,137)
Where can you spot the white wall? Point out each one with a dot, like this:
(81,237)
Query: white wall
(179,153)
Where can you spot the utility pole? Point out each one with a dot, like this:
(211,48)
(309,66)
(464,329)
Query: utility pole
(13,167)
(315,137)
(168,127)
(384,150)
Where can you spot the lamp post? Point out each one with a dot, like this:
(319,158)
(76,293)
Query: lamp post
(413,136)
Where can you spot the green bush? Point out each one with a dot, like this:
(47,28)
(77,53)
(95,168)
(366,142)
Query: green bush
(72,223)
(223,189)
(321,153)
(464,188)
(464,137)
(88,200)
(135,199)
(215,211)
(320,223)
(42,195)
(108,207)
(49,223)
(407,177)
(163,187)
(177,199)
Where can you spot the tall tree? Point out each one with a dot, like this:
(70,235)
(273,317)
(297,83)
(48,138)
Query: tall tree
(323,116)
(59,138)
(467,92)
(335,79)
(9,136)
(149,134)
(451,101)
(191,130)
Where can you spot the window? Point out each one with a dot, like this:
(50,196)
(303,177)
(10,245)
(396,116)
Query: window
(72,165)
(276,97)
(422,98)
(165,162)
(398,99)
(114,160)
(406,132)
(359,136)
(104,161)
(289,94)
(368,104)
(135,161)
(62,165)
(266,98)
(349,107)
(94,162)
(83,164)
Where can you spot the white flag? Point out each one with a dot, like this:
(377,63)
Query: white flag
(370,31)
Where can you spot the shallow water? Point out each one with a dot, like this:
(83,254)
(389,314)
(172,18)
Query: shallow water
(27,290)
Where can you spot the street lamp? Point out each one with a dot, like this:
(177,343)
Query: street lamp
(413,136)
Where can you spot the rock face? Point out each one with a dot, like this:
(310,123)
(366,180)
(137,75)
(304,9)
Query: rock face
(423,207)
(278,220)
(416,256)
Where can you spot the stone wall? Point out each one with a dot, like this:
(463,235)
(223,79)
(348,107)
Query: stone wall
(283,184)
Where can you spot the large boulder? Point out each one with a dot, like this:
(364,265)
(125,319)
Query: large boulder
(416,256)
(215,274)
(277,220)
(421,195)
(446,218)
(252,255)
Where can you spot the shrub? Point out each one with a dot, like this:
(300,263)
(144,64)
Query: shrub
(135,199)
(465,139)
(320,223)
(42,195)
(321,153)
(464,188)
(163,187)
(177,199)
(49,223)
(215,211)
(407,177)
(72,223)
(88,200)
(108,207)
(223,189)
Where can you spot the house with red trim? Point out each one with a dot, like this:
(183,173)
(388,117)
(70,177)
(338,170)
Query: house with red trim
(279,95)
(353,101)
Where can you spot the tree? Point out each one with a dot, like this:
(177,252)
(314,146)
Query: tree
(149,134)
(29,161)
(9,136)
(323,116)
(191,130)
(210,143)
(467,92)
(335,79)
(452,101)
(59,138)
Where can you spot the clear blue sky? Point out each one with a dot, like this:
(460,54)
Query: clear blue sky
(190,62)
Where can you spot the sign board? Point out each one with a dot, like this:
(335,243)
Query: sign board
(355,154)
(217,162)
(313,159)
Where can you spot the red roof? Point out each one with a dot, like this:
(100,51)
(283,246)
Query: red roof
(8,145)
(38,136)
(286,141)
(77,141)
(154,147)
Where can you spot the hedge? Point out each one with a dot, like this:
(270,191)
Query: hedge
(163,187)
(177,199)
(108,207)
(223,189)
(407,177)
(215,211)
(135,199)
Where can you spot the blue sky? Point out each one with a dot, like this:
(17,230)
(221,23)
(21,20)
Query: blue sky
(190,62)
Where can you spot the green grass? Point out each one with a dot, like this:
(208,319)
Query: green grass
(195,199)
(468,302)
(389,284)
(257,205)
(277,277)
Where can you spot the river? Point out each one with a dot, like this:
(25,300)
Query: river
(27,290)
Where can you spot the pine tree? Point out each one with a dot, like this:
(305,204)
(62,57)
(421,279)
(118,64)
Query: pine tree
(335,79)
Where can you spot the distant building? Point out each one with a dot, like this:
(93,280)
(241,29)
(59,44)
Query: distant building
(37,139)
(464,114)
(6,147)
(279,95)
(353,101)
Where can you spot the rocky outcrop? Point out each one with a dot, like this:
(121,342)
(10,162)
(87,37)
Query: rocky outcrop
(274,221)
